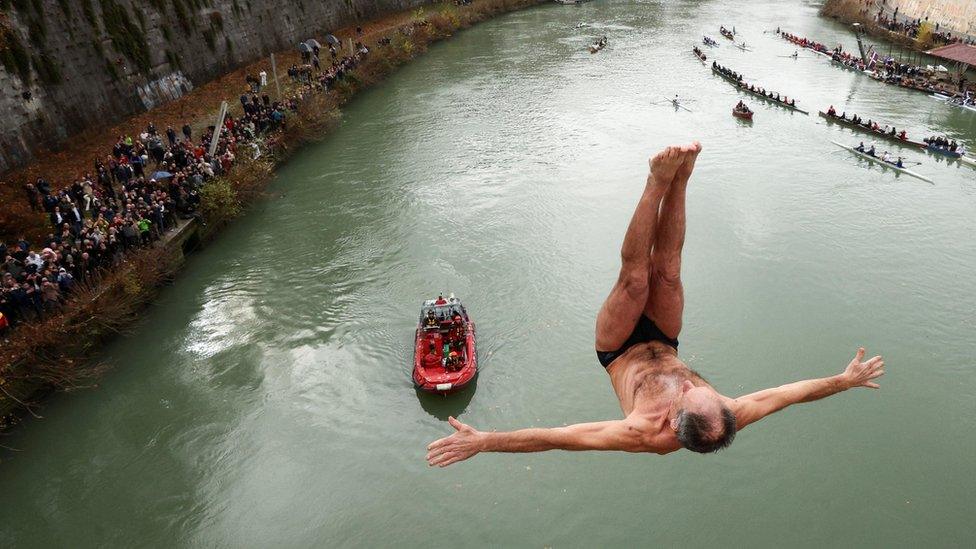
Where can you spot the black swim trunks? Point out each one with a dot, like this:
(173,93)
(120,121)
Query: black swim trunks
(645,332)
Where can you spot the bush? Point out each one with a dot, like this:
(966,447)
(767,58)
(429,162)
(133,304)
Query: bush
(218,202)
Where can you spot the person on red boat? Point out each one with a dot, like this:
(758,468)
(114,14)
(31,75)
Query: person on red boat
(440,300)
(453,362)
(456,334)
(431,320)
(431,359)
(667,406)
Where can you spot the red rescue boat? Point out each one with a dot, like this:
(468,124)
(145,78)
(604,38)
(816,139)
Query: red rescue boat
(445,359)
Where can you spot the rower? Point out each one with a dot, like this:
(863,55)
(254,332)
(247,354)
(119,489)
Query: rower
(871,151)
(892,132)
(832,111)
(885,157)
(899,163)
(860,147)
(903,135)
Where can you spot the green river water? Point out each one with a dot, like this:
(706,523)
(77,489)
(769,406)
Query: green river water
(265,400)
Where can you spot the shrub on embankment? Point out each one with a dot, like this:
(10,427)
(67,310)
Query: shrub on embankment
(59,353)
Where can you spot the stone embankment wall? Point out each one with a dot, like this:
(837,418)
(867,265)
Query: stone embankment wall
(955,15)
(71,64)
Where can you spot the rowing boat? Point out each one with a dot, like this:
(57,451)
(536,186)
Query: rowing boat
(699,54)
(744,115)
(844,65)
(741,88)
(944,152)
(855,126)
(882,162)
(953,101)
(676,104)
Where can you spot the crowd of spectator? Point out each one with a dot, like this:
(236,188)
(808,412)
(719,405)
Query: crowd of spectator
(912,27)
(132,197)
(141,190)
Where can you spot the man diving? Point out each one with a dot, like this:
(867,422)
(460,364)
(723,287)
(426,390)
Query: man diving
(666,405)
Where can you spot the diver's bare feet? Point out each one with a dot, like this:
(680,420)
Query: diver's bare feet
(689,154)
(663,167)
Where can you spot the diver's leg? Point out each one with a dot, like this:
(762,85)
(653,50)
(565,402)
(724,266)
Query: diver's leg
(665,302)
(624,305)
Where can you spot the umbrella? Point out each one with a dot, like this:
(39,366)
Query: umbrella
(159,176)
(313,43)
(331,39)
(304,48)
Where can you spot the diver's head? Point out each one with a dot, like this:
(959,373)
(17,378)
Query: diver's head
(701,420)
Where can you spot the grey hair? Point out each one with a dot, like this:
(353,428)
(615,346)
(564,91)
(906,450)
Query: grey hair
(694,431)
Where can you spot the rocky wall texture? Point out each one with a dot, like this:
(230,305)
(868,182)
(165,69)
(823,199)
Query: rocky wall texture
(958,16)
(71,64)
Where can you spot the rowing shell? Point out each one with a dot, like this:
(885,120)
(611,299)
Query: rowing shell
(949,101)
(882,162)
(879,134)
(677,104)
(744,89)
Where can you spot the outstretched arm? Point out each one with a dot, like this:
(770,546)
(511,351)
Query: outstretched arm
(620,435)
(751,408)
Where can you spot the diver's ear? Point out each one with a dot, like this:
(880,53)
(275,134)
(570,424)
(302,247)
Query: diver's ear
(687,386)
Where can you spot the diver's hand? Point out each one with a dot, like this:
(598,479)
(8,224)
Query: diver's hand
(465,443)
(861,374)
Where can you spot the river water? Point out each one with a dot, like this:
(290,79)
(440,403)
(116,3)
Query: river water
(265,400)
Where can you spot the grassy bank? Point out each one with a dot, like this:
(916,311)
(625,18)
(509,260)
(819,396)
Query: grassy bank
(60,353)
